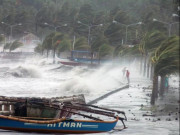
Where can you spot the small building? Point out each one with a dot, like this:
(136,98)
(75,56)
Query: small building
(29,41)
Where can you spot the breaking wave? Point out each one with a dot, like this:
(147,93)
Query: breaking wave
(24,72)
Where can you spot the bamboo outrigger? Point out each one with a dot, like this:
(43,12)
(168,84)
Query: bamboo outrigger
(59,122)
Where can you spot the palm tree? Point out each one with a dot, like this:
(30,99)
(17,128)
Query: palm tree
(47,43)
(81,44)
(64,45)
(7,46)
(98,42)
(56,39)
(2,38)
(39,48)
(16,44)
(149,42)
(166,62)
(105,50)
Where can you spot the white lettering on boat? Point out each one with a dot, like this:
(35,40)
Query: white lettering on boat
(59,124)
(79,125)
(66,124)
(73,124)
(49,125)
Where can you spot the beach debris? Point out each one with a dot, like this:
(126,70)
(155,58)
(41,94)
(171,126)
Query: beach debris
(168,119)
(158,119)
(152,115)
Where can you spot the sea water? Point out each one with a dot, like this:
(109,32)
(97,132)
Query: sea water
(38,77)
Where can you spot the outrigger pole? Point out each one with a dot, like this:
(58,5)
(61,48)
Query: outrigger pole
(56,106)
(47,103)
(112,110)
(99,112)
(90,117)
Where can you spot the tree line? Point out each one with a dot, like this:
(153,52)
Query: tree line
(106,28)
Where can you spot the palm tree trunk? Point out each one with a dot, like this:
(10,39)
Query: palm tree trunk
(148,68)
(91,57)
(47,53)
(151,72)
(145,65)
(155,89)
(141,64)
(99,61)
(162,85)
(42,52)
(54,53)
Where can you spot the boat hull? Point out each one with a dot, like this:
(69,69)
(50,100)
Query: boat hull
(71,63)
(64,126)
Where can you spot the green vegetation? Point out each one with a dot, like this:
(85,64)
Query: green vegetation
(103,26)
(12,46)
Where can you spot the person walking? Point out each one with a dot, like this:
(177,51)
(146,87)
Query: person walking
(127,76)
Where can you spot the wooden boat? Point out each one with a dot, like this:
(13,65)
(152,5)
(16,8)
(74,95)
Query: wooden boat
(71,63)
(63,121)
(32,107)
(62,125)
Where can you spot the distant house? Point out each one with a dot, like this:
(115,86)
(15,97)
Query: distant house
(29,38)
(29,41)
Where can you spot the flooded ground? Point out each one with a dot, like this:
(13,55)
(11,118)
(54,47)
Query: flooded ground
(40,78)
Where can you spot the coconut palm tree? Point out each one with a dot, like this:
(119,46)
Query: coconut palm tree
(98,42)
(166,62)
(39,48)
(64,45)
(16,44)
(81,44)
(47,43)
(51,42)
(7,46)
(105,50)
(2,38)
(56,39)
(149,42)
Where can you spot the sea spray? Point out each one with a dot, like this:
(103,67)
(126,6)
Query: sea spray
(24,71)
(60,80)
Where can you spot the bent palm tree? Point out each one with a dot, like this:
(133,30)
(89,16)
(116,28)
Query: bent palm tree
(7,46)
(166,61)
(81,44)
(2,38)
(16,44)
(147,45)
(64,45)
(105,50)
(39,48)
